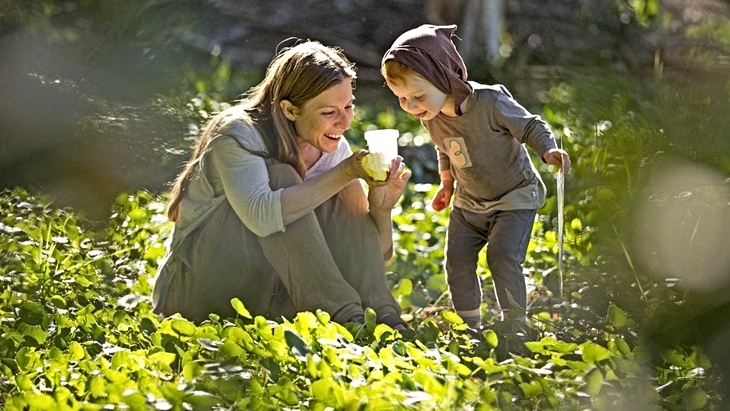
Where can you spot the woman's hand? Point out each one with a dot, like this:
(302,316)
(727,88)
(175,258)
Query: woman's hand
(383,195)
(353,165)
(355,169)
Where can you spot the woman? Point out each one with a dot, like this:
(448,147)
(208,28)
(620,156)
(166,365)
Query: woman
(270,208)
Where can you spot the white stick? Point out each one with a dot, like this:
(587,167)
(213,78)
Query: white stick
(561,222)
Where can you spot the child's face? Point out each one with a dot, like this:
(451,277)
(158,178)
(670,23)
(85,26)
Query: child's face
(421,98)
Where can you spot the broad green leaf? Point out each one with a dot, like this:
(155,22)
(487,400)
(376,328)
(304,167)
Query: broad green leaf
(55,353)
(240,309)
(58,301)
(328,391)
(370,318)
(41,402)
(617,316)
(121,360)
(33,331)
(312,367)
(97,387)
(324,371)
(489,365)
(248,342)
(135,400)
(296,343)
(404,287)
(27,358)
(605,194)
(23,382)
(137,213)
(461,369)
(323,316)
(32,312)
(594,382)
(577,365)
(576,224)
(676,358)
(305,321)
(286,393)
(279,349)
(202,400)
(174,393)
(119,377)
(593,353)
(387,358)
(491,338)
(155,252)
(531,388)
(623,346)
(437,283)
(82,281)
(183,327)
(332,357)
(148,325)
(429,381)
(451,317)
(119,317)
(76,351)
(162,359)
(192,370)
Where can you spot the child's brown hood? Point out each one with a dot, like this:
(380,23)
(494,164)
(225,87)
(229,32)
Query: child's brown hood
(429,51)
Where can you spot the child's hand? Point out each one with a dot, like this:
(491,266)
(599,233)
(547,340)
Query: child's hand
(557,157)
(442,199)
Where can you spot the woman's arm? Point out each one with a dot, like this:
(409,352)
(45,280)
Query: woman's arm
(384,223)
(301,199)
(244,179)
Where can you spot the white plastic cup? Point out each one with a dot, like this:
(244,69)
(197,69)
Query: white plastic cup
(383,141)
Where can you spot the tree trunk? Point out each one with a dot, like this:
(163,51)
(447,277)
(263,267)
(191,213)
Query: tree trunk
(481,30)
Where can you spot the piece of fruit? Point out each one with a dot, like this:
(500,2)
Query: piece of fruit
(376,165)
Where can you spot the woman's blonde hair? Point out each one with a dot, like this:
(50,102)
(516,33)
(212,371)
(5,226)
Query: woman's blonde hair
(297,74)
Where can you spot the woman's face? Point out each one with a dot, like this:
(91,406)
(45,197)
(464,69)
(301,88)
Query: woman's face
(420,97)
(322,120)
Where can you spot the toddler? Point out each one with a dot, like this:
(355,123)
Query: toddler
(479,132)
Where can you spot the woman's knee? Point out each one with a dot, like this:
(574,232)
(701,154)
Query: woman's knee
(282,176)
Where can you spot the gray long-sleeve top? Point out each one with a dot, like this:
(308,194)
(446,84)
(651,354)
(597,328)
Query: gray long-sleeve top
(483,148)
